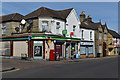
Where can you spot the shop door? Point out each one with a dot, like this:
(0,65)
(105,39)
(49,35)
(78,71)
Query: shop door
(38,49)
(58,48)
(87,52)
(104,49)
(67,46)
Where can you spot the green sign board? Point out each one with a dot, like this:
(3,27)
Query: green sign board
(64,32)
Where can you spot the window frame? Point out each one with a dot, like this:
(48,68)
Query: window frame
(46,28)
(4,29)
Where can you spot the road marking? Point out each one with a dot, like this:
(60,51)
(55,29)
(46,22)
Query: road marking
(11,70)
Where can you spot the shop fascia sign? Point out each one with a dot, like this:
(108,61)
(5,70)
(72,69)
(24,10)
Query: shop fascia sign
(37,37)
(86,43)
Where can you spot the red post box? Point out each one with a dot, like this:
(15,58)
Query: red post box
(52,55)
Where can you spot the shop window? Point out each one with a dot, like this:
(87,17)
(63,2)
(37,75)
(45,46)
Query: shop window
(3,29)
(44,26)
(90,50)
(82,50)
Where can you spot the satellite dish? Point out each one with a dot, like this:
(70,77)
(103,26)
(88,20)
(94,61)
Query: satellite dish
(17,29)
(28,28)
(23,21)
(29,21)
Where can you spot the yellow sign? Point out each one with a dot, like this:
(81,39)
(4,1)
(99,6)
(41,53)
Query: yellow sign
(73,48)
(49,41)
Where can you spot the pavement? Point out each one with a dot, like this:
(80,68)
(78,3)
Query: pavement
(12,64)
(106,67)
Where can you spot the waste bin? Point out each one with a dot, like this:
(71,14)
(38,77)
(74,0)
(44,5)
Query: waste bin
(57,56)
(23,56)
(98,54)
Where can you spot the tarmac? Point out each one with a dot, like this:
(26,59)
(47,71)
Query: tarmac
(9,64)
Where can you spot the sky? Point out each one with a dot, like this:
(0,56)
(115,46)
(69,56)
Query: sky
(106,11)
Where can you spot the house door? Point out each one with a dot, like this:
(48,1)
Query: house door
(104,49)
(58,48)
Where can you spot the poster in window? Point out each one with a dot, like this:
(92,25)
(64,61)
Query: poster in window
(83,50)
(38,51)
(90,50)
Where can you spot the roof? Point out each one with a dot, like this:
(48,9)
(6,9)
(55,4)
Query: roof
(43,11)
(89,25)
(114,33)
(11,17)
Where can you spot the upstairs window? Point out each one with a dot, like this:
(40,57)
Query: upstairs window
(105,37)
(91,35)
(82,33)
(74,29)
(44,26)
(57,27)
(3,29)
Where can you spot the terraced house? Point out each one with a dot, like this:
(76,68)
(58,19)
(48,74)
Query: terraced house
(87,33)
(114,44)
(100,33)
(8,25)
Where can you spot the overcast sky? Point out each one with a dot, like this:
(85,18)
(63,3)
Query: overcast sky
(106,11)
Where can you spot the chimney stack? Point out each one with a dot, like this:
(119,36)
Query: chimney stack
(82,16)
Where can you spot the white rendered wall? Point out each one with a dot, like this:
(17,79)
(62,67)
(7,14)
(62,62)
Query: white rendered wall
(72,20)
(86,34)
(52,24)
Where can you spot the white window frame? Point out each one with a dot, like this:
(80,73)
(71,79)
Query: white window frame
(45,26)
(3,28)
(57,27)
(82,34)
(90,35)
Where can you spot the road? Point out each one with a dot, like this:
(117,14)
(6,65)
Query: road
(93,68)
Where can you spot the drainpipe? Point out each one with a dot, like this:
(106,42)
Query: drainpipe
(64,56)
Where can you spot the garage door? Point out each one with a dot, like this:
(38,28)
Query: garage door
(5,48)
(20,47)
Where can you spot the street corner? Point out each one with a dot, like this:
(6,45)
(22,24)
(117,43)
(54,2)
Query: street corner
(10,69)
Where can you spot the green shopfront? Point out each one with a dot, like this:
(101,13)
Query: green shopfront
(38,46)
